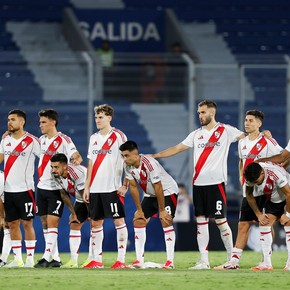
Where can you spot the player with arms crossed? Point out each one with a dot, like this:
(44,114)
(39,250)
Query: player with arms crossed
(104,190)
(49,201)
(160,196)
(250,148)
(70,179)
(18,149)
(211,145)
(273,181)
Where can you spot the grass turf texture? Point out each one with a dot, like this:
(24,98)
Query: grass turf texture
(180,278)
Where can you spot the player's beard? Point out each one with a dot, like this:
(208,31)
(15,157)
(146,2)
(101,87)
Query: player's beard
(206,121)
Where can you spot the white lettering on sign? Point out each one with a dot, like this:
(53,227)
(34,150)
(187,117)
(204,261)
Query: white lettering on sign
(126,31)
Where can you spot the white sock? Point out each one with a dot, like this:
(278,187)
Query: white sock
(169,236)
(226,235)
(6,247)
(202,238)
(236,255)
(91,254)
(17,249)
(266,242)
(74,244)
(30,248)
(140,240)
(97,243)
(287,233)
(50,242)
(122,239)
(44,234)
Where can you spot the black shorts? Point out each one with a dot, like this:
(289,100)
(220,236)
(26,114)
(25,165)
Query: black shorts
(106,205)
(246,212)
(82,211)
(20,205)
(49,202)
(210,200)
(276,209)
(150,205)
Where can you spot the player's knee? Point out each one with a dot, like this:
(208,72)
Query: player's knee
(222,223)
(139,223)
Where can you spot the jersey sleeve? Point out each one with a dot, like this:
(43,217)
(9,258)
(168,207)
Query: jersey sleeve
(281,181)
(36,147)
(274,147)
(89,155)
(189,140)
(155,174)
(240,145)
(128,175)
(2,146)
(233,132)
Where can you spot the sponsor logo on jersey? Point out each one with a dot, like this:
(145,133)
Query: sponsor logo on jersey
(244,148)
(208,144)
(96,143)
(8,144)
(200,137)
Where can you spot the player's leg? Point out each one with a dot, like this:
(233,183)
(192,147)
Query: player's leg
(6,245)
(199,202)
(287,238)
(75,234)
(169,232)
(12,217)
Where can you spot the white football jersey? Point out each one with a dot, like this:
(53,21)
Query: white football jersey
(275,178)
(19,158)
(149,172)
(251,150)
(75,181)
(107,162)
(60,143)
(2,185)
(210,152)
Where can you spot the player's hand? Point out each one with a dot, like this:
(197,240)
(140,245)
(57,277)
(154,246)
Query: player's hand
(139,215)
(5,134)
(267,134)
(284,220)
(263,219)
(86,195)
(122,190)
(165,217)
(2,222)
(73,219)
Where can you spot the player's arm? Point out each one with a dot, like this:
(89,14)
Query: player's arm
(263,219)
(241,171)
(139,215)
(171,151)
(164,216)
(2,215)
(88,182)
(124,188)
(285,218)
(67,201)
(279,158)
(76,158)
(1,158)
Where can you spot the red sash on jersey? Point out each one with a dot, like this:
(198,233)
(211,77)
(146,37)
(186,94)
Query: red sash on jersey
(207,150)
(254,152)
(52,148)
(107,145)
(16,153)
(143,178)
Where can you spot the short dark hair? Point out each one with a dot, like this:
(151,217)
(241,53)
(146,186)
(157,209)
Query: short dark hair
(208,103)
(50,114)
(252,172)
(105,108)
(256,114)
(128,145)
(59,157)
(19,113)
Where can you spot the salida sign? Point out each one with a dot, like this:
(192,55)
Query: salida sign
(128,31)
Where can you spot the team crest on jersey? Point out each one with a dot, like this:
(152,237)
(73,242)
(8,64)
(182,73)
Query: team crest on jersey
(143,173)
(23,144)
(110,141)
(258,146)
(55,144)
(217,134)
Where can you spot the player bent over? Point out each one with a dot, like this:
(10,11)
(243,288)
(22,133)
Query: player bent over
(160,195)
